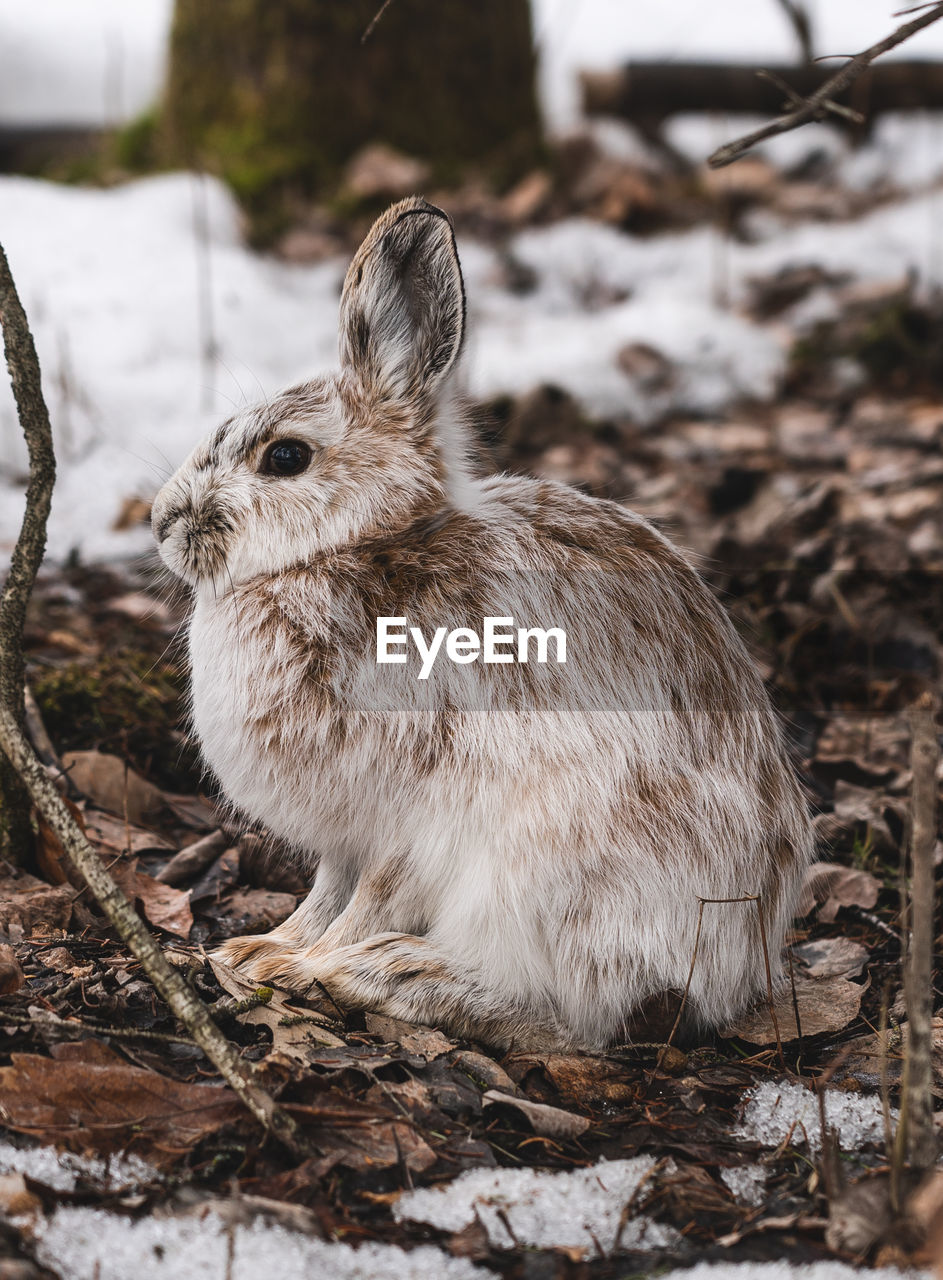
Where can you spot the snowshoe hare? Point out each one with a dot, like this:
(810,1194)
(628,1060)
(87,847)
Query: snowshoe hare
(515,850)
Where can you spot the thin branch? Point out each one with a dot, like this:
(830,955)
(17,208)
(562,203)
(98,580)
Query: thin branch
(801,24)
(372,24)
(183,1003)
(20,352)
(817,103)
(918,979)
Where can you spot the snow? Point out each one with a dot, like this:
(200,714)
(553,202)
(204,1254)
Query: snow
(90,1244)
(747,1182)
(579,1209)
(788,1271)
(111,283)
(111,286)
(62,1171)
(774,1109)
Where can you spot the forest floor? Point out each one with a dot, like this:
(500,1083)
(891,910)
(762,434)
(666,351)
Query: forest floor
(819,520)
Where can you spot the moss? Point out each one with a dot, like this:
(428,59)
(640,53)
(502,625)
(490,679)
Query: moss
(136,147)
(125,702)
(276,95)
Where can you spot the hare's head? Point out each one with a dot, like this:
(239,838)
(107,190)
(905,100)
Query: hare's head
(332,460)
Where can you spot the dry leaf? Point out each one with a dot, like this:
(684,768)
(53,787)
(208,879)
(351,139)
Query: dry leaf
(413,1037)
(295,1031)
(84,1098)
(12,976)
(832,957)
(120,836)
(549,1122)
(164,906)
(579,1078)
(257,910)
(28,906)
(112,784)
(825,1004)
(836,886)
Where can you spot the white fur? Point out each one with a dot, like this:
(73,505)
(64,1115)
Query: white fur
(519,857)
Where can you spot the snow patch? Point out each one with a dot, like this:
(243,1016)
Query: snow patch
(581,1209)
(747,1182)
(789,1271)
(774,1109)
(89,1244)
(111,281)
(62,1170)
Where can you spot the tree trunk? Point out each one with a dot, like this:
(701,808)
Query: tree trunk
(275,95)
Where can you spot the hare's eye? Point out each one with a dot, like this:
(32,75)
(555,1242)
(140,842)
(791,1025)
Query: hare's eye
(286,457)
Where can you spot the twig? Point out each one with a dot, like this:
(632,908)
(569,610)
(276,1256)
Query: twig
(817,102)
(73,1028)
(769,983)
(687,987)
(883,1041)
(918,979)
(27,554)
(801,24)
(371,26)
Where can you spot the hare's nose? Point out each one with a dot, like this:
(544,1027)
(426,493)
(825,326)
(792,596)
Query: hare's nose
(163,526)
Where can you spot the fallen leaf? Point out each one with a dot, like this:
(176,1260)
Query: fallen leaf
(28,906)
(832,957)
(549,1122)
(414,1038)
(836,886)
(577,1078)
(295,1031)
(12,976)
(120,836)
(112,784)
(166,907)
(825,1004)
(104,1104)
(258,910)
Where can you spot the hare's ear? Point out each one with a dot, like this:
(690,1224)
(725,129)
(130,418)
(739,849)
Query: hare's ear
(403,305)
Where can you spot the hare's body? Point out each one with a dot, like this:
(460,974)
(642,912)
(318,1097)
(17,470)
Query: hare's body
(518,852)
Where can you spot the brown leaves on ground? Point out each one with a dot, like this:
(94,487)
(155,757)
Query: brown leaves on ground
(831,886)
(28,906)
(819,996)
(86,1097)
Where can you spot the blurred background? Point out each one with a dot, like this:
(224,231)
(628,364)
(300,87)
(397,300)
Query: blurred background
(752,356)
(181,184)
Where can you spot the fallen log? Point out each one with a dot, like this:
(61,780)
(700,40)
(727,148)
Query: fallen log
(646,93)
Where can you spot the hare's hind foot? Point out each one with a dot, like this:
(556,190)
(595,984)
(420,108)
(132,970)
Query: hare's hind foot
(398,975)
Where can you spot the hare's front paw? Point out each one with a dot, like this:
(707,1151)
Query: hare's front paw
(264,958)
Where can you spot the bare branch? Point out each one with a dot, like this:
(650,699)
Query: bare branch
(801,24)
(183,1003)
(20,352)
(918,979)
(817,103)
